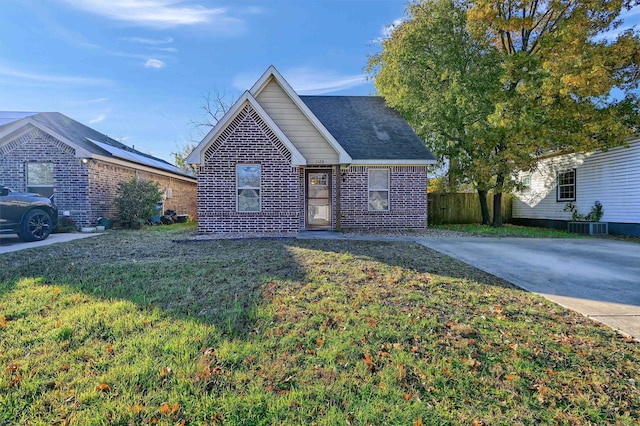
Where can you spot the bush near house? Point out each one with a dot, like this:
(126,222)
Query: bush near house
(136,201)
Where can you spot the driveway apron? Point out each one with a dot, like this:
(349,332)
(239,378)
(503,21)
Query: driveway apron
(598,278)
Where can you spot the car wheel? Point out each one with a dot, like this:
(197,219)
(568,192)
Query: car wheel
(36,226)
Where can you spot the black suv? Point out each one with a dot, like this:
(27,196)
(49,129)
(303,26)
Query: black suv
(31,216)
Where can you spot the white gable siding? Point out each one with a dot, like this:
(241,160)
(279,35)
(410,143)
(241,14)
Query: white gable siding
(611,177)
(306,138)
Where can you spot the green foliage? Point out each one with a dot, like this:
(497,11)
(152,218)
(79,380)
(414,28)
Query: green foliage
(594,215)
(443,82)
(493,84)
(136,201)
(180,158)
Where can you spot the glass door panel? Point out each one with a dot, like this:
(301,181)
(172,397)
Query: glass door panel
(318,199)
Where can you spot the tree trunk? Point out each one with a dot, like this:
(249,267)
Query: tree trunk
(497,202)
(484,206)
(497,209)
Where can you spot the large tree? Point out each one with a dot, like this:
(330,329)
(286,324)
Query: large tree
(562,85)
(443,82)
(559,71)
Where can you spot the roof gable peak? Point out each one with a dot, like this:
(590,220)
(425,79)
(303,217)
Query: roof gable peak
(272,74)
(198,154)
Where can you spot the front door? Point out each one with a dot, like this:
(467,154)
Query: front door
(318,198)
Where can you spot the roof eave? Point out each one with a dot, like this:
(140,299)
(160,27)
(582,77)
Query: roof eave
(389,162)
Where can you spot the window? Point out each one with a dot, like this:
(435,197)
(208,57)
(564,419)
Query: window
(378,190)
(567,185)
(40,178)
(526,181)
(248,179)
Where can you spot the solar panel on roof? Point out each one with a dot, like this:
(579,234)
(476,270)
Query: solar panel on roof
(137,158)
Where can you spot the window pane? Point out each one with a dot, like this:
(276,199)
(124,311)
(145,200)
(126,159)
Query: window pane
(378,200)
(567,185)
(40,174)
(248,187)
(378,179)
(318,185)
(248,176)
(248,200)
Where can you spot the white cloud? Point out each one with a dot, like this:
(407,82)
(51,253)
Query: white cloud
(306,81)
(154,13)
(165,49)
(388,30)
(88,102)
(98,119)
(154,63)
(30,77)
(151,41)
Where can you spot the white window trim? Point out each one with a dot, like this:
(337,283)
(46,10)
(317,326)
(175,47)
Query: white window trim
(258,188)
(388,189)
(574,185)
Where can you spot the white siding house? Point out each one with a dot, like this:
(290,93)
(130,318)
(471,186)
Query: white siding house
(611,177)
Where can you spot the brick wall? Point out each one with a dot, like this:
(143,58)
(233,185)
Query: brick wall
(407,203)
(103,183)
(85,190)
(70,175)
(248,140)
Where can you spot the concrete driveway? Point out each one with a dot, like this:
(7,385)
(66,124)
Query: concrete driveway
(11,242)
(598,278)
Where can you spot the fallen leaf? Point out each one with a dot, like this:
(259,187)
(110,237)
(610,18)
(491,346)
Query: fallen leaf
(407,396)
(64,367)
(103,387)
(369,362)
(15,380)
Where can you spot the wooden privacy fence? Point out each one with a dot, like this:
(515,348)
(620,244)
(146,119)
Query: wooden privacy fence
(449,208)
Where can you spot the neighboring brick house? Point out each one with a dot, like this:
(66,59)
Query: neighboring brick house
(51,154)
(280,162)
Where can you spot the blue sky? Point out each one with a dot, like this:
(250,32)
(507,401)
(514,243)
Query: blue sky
(137,70)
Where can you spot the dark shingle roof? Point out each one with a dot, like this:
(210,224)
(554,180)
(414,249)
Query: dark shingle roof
(98,143)
(367,128)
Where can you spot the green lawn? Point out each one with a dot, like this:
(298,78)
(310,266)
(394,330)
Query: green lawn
(144,327)
(508,230)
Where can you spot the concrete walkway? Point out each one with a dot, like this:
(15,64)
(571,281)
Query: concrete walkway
(10,242)
(597,278)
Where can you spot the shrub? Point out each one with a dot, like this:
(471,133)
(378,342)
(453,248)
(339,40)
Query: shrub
(137,201)
(593,216)
(66,224)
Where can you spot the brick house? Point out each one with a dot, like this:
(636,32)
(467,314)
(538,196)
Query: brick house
(51,154)
(280,162)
